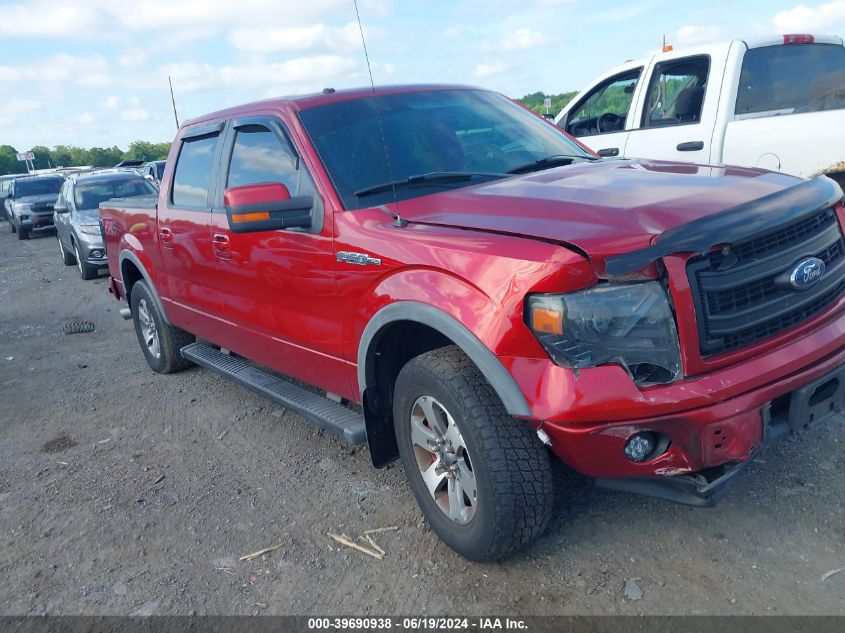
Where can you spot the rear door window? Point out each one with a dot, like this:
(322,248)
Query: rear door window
(193,171)
(792,78)
(676,92)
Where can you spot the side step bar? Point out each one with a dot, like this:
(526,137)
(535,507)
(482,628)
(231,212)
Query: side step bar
(333,417)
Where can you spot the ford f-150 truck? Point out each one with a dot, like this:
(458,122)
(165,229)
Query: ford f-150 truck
(772,102)
(443,275)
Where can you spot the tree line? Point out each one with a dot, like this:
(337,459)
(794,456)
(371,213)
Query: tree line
(535,100)
(72,156)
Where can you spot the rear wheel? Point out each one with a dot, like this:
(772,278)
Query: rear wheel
(159,341)
(482,479)
(67,258)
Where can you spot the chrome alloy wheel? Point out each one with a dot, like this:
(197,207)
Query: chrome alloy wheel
(148,329)
(443,459)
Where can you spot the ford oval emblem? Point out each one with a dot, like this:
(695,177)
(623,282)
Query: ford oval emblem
(807,273)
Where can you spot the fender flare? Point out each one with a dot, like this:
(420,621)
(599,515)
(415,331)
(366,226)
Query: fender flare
(125,255)
(490,366)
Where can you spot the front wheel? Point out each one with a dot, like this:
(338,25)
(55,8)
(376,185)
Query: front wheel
(482,479)
(86,271)
(23,234)
(67,258)
(160,342)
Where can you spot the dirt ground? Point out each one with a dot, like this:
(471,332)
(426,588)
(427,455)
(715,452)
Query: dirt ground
(126,492)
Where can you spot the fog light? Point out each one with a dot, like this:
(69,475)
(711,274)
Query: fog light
(640,447)
(96,254)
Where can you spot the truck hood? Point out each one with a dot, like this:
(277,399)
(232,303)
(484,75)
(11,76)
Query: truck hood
(600,209)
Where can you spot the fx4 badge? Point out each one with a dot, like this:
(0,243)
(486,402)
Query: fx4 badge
(359,259)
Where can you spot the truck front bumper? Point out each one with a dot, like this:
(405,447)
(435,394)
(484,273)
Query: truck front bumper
(703,449)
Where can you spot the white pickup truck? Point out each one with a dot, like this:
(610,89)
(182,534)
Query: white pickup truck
(776,103)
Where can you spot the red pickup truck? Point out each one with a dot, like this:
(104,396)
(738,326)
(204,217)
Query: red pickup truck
(442,274)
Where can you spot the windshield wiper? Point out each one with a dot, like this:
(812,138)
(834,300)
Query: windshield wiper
(549,161)
(431,178)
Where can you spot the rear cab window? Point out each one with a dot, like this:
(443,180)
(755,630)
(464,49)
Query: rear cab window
(192,176)
(676,92)
(791,79)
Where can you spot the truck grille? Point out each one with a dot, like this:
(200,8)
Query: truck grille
(742,295)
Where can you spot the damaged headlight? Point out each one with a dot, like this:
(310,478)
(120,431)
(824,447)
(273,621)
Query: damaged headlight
(627,324)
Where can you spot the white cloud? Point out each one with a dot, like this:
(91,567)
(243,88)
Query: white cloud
(452,32)
(823,18)
(523,39)
(111,102)
(60,18)
(488,70)
(135,114)
(86,118)
(15,109)
(61,68)
(690,34)
(47,19)
(192,76)
(132,58)
(303,38)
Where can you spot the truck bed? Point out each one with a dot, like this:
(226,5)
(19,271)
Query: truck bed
(136,202)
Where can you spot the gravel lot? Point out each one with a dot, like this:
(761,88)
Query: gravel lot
(126,492)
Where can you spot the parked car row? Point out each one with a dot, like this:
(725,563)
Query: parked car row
(69,206)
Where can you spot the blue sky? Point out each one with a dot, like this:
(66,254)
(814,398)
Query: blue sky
(94,72)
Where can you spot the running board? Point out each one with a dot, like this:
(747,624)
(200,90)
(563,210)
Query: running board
(333,417)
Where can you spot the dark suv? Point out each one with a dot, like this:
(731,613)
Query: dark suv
(30,202)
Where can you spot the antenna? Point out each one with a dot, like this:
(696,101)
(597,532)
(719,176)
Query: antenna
(173,101)
(399,223)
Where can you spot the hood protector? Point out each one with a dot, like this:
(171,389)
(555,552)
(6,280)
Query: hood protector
(733,225)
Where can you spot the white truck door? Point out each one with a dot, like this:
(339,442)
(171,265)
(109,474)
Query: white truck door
(787,107)
(677,115)
(600,117)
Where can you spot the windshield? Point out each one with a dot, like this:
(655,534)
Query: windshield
(791,78)
(159,170)
(423,133)
(37,186)
(89,195)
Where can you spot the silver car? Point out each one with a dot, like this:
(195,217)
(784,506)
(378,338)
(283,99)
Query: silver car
(77,215)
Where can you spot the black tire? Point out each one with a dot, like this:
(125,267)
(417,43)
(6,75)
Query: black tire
(67,258)
(510,467)
(170,339)
(86,271)
(23,234)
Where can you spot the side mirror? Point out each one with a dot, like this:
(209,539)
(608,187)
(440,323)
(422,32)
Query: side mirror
(61,208)
(266,207)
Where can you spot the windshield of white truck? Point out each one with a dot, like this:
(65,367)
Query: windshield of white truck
(790,79)
(418,143)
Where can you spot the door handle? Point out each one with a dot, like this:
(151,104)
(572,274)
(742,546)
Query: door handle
(608,151)
(166,237)
(690,146)
(221,246)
